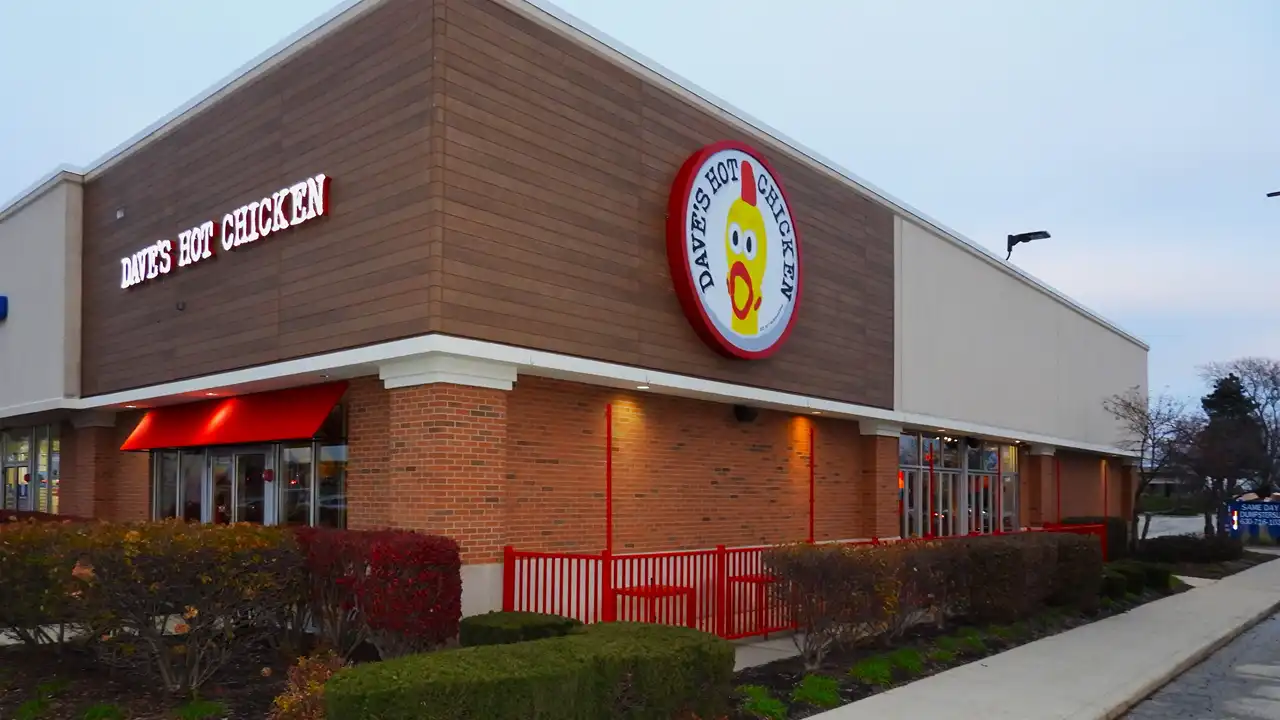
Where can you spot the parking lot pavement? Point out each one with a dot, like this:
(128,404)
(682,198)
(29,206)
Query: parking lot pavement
(1239,682)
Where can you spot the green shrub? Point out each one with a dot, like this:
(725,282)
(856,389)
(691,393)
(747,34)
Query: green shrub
(501,628)
(39,602)
(758,702)
(819,691)
(1134,574)
(1117,546)
(181,600)
(836,594)
(1078,579)
(941,656)
(908,660)
(999,567)
(1114,585)
(876,671)
(621,670)
(1195,549)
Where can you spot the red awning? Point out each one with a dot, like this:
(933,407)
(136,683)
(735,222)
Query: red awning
(293,414)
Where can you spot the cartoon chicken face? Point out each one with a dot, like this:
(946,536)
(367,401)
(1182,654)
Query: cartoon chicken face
(746,249)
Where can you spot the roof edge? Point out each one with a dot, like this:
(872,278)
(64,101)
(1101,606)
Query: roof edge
(334,18)
(562,20)
(63,173)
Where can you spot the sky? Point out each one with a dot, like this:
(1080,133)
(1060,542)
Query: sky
(1142,134)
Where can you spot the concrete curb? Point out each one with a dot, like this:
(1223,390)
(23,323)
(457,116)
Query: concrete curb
(1191,661)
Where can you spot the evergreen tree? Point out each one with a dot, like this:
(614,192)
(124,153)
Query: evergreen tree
(1227,450)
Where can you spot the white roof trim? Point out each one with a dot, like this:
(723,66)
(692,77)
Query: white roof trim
(292,44)
(366,361)
(349,9)
(42,186)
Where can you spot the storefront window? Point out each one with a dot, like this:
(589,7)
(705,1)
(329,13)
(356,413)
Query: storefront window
(166,487)
(332,491)
(295,508)
(909,449)
(192,491)
(29,468)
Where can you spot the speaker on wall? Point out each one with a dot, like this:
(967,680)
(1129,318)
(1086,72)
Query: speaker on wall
(745,413)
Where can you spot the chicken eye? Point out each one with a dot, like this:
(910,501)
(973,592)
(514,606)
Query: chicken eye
(749,244)
(735,238)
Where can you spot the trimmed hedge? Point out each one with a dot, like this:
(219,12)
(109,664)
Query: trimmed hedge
(502,628)
(844,595)
(1114,584)
(1174,549)
(613,670)
(1117,533)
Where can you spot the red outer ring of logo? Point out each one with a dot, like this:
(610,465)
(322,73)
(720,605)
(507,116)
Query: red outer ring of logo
(682,276)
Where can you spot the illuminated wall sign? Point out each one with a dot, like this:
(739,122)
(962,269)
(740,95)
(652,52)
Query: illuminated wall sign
(734,250)
(285,208)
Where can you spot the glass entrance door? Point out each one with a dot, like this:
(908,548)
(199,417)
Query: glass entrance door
(242,486)
(254,478)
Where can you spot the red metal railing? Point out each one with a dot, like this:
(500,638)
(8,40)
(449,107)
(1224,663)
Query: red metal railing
(725,591)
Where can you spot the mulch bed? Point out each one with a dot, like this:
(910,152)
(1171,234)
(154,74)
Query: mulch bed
(76,683)
(1217,571)
(781,676)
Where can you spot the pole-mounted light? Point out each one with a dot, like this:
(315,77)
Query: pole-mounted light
(1022,238)
(1274,194)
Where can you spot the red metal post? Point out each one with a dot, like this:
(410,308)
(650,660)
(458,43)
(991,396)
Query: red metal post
(609,604)
(1106,494)
(720,583)
(812,451)
(608,478)
(508,579)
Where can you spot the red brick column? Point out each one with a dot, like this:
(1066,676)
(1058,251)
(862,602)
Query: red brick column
(878,482)
(368,454)
(448,465)
(98,479)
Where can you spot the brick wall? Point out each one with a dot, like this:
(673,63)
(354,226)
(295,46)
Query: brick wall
(447,465)
(877,499)
(687,474)
(368,454)
(98,480)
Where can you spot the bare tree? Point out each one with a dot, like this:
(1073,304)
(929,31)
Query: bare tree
(1260,381)
(1151,429)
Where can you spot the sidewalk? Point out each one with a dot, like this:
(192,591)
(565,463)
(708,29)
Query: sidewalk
(1095,672)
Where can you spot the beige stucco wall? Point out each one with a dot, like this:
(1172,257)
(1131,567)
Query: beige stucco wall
(40,245)
(977,344)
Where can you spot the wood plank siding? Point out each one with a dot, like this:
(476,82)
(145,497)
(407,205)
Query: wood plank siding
(357,106)
(494,178)
(559,162)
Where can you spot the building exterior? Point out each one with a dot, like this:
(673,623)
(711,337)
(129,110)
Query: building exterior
(469,267)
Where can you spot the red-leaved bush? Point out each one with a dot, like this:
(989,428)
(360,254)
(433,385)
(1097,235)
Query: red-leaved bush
(411,596)
(400,590)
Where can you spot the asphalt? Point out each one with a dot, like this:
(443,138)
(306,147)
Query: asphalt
(1239,682)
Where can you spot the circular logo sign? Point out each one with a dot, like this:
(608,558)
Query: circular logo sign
(734,250)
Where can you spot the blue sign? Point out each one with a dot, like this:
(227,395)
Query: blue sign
(4,307)
(1251,517)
